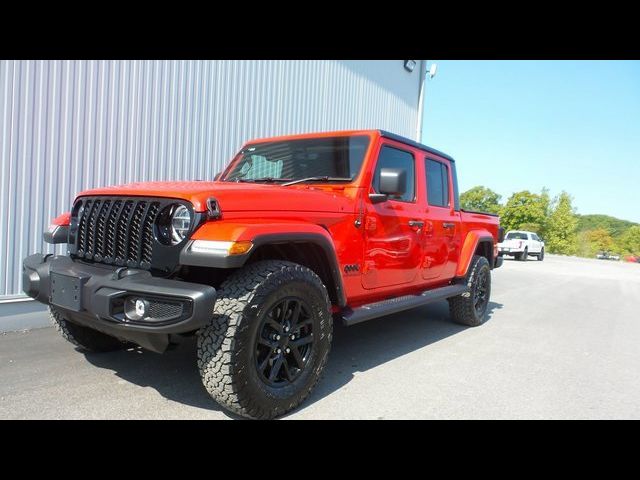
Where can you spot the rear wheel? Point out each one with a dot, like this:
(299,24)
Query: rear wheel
(470,308)
(268,341)
(525,255)
(83,337)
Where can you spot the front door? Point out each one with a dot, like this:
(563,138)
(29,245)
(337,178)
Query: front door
(536,243)
(392,228)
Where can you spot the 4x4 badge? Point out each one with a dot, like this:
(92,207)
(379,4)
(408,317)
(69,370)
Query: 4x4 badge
(351,268)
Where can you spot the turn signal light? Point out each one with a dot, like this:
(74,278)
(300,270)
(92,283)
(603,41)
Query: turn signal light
(238,248)
(217,247)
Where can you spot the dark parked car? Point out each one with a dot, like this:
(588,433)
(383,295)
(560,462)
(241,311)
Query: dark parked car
(603,255)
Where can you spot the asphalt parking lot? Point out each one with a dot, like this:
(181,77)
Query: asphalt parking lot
(562,342)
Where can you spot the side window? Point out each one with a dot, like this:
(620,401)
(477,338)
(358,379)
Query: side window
(391,157)
(437,183)
(535,237)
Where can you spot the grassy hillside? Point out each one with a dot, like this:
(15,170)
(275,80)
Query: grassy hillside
(615,226)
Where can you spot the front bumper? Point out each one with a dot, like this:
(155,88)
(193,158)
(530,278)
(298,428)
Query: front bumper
(95,296)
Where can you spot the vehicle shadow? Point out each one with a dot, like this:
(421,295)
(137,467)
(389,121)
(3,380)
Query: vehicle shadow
(359,348)
(368,345)
(514,259)
(173,374)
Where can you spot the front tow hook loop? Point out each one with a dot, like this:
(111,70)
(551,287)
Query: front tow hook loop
(116,274)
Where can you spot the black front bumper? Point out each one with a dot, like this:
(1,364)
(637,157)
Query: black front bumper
(94,296)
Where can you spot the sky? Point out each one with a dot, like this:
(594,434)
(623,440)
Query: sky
(525,125)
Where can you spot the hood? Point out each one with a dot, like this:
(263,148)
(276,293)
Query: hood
(238,197)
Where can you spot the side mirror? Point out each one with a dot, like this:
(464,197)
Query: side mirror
(393,181)
(378,197)
(217,176)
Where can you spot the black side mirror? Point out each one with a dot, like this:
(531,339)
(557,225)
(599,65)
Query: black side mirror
(393,181)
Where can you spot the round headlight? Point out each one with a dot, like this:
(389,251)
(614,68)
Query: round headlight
(180,224)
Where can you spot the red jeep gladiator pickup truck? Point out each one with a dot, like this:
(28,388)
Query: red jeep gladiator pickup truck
(296,232)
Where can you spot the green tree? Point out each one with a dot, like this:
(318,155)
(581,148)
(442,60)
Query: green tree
(630,240)
(531,227)
(526,209)
(481,199)
(561,227)
(591,242)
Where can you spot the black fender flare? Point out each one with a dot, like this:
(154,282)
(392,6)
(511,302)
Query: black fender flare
(187,257)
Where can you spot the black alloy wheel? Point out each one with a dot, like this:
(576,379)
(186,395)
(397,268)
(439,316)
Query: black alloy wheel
(285,342)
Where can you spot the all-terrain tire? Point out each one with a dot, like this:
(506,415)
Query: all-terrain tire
(83,337)
(462,308)
(541,255)
(227,356)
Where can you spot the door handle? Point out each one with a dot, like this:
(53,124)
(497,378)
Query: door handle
(448,225)
(416,223)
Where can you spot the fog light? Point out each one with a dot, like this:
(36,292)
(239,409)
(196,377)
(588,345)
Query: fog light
(136,308)
(140,307)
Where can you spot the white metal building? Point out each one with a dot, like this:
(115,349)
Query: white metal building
(66,126)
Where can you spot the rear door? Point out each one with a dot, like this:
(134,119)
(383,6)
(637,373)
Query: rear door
(392,246)
(442,222)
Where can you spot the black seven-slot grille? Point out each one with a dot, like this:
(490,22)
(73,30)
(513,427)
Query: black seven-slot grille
(116,230)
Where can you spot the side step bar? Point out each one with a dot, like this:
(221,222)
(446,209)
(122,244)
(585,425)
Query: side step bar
(398,304)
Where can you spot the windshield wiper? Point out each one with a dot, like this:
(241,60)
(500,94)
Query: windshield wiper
(317,179)
(257,180)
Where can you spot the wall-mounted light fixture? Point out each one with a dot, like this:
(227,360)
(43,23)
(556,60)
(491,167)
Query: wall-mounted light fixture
(409,65)
(432,70)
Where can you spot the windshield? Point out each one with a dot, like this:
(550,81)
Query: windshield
(285,161)
(516,236)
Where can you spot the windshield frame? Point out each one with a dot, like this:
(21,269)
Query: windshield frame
(254,143)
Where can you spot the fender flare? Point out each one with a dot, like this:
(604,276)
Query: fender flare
(471,242)
(323,241)
(259,235)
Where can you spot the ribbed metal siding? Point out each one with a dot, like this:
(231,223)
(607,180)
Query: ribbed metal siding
(66,126)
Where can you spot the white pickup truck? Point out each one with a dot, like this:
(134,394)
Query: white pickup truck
(521,244)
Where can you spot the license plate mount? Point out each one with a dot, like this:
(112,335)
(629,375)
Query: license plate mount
(66,291)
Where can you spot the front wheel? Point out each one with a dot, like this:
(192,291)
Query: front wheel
(541,255)
(268,341)
(471,307)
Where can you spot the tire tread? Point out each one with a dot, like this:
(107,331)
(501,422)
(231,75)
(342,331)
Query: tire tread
(461,307)
(218,342)
(83,337)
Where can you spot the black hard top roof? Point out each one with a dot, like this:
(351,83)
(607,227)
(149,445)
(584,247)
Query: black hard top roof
(413,143)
